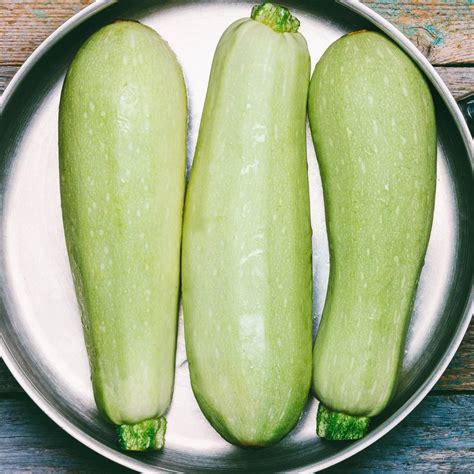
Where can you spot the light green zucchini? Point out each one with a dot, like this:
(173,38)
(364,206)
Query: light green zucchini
(373,125)
(246,275)
(122,146)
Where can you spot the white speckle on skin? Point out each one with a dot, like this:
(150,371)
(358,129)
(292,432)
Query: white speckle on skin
(125,60)
(94,205)
(386,80)
(386,187)
(251,166)
(371,99)
(252,254)
(106,250)
(101,232)
(92,106)
(138,213)
(405,90)
(102,113)
(404,140)
(396,259)
(397,210)
(349,132)
(107,197)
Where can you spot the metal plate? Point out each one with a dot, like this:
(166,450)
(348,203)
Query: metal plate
(42,339)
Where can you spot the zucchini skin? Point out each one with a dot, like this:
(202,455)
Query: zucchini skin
(122,148)
(373,125)
(246,265)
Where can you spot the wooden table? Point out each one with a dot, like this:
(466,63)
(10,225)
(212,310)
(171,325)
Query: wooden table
(438,435)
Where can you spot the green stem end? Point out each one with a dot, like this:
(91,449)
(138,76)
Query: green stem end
(276,17)
(148,435)
(336,426)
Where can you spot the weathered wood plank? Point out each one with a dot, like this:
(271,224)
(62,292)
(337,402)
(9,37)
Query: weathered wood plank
(6,74)
(460,373)
(8,384)
(438,435)
(25,24)
(30,441)
(442,29)
(460,80)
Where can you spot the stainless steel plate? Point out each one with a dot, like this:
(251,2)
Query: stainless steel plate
(41,332)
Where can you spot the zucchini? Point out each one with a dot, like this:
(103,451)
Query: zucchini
(246,268)
(373,125)
(122,146)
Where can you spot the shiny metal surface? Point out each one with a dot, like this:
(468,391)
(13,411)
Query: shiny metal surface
(40,327)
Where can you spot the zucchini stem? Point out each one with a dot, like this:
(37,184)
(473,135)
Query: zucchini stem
(336,426)
(148,435)
(276,17)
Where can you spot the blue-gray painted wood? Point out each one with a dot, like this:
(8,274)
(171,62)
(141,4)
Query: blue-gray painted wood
(438,435)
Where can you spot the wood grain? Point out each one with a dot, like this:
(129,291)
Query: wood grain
(25,24)
(437,436)
(31,442)
(460,373)
(442,29)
